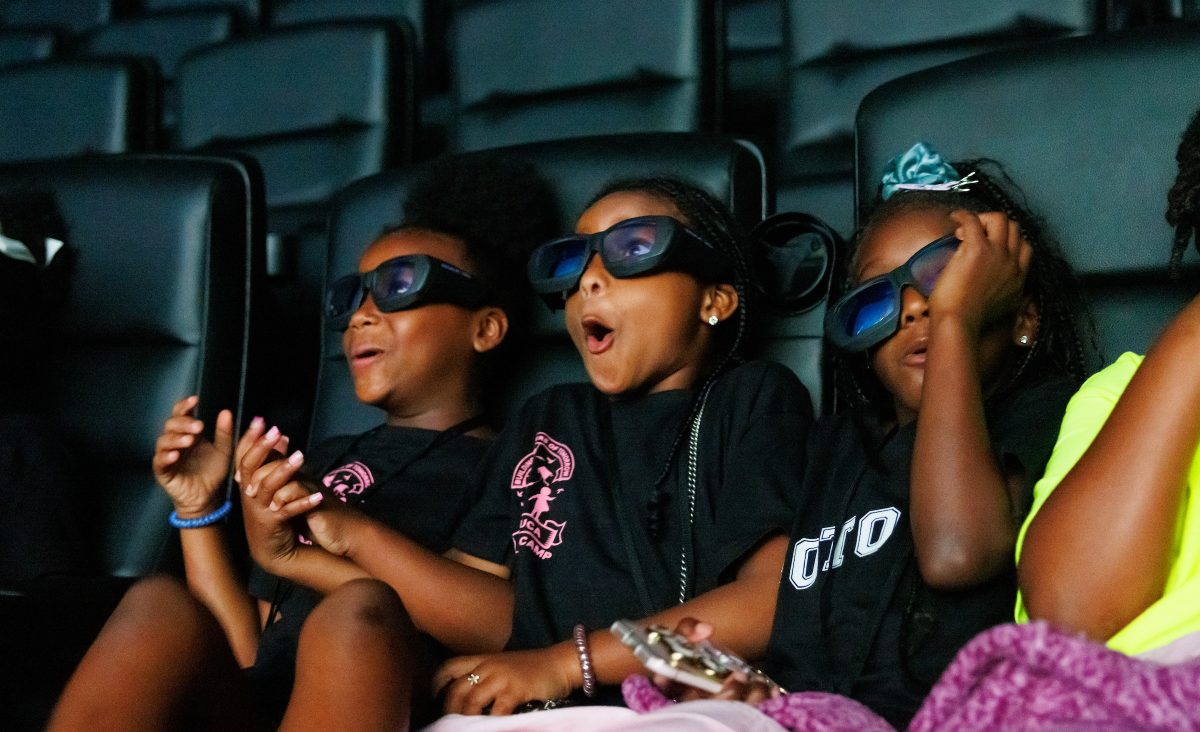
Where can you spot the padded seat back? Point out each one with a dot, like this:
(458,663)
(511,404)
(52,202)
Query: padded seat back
(156,310)
(72,16)
(525,70)
(62,108)
(250,10)
(317,107)
(575,169)
(24,46)
(166,38)
(1087,127)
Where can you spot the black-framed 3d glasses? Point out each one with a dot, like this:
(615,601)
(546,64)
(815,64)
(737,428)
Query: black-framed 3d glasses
(870,313)
(630,248)
(401,283)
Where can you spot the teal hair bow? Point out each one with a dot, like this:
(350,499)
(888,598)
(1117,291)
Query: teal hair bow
(920,167)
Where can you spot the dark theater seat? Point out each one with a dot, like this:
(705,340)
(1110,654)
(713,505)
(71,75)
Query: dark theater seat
(24,46)
(526,70)
(156,310)
(576,169)
(62,108)
(1087,127)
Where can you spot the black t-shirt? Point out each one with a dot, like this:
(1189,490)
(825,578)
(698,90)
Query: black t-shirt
(853,615)
(393,476)
(551,510)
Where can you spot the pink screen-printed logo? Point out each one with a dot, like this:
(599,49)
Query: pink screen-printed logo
(349,480)
(533,479)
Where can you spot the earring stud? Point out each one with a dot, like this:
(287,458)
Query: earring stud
(713,320)
(1023,340)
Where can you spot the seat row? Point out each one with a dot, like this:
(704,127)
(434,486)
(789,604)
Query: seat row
(171,247)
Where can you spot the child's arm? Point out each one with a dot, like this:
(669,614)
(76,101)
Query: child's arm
(964,505)
(191,469)
(462,601)
(1098,552)
(742,609)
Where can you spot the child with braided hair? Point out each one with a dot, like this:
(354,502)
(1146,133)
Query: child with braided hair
(958,349)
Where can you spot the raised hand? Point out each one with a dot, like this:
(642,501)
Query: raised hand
(985,278)
(190,467)
(271,537)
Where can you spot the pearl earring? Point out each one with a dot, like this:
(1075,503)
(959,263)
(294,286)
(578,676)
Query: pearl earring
(713,320)
(1023,340)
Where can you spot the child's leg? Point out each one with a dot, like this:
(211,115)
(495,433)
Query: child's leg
(161,662)
(358,662)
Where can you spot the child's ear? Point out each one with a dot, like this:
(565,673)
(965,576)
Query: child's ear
(491,325)
(1025,328)
(720,300)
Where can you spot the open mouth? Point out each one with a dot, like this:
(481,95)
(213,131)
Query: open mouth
(598,336)
(364,355)
(916,354)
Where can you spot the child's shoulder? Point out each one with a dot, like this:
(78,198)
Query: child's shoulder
(764,381)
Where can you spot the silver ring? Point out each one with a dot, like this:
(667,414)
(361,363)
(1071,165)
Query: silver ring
(473,679)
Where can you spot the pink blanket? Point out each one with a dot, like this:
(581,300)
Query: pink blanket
(1012,677)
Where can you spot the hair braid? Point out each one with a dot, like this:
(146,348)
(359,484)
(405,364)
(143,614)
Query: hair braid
(1183,200)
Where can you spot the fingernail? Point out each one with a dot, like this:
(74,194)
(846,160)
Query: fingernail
(273,505)
(316,498)
(295,458)
(251,490)
(256,423)
(272,434)
(237,476)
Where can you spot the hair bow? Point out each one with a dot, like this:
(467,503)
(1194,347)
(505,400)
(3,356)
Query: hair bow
(920,168)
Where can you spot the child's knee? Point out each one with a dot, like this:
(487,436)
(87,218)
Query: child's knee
(162,604)
(359,612)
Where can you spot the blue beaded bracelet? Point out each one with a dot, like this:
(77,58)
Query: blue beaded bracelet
(205,520)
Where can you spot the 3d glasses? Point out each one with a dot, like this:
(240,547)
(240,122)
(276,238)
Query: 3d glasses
(870,313)
(630,248)
(402,283)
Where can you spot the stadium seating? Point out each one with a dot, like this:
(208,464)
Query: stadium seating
(249,10)
(576,169)
(61,108)
(836,52)
(1087,127)
(526,70)
(166,38)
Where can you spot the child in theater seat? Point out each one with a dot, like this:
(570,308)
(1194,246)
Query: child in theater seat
(424,323)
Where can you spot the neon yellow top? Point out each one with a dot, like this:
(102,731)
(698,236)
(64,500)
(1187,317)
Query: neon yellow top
(1177,612)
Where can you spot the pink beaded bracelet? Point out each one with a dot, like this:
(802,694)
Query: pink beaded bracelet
(585,660)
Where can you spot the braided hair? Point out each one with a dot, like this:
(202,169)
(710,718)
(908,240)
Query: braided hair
(712,220)
(1065,341)
(1183,200)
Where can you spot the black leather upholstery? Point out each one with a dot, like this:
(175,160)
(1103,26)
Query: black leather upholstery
(73,16)
(526,70)
(156,311)
(62,108)
(855,27)
(23,46)
(321,107)
(166,38)
(296,12)
(1087,127)
(576,169)
(249,9)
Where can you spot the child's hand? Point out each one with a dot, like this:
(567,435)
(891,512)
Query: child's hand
(271,537)
(985,278)
(505,681)
(188,466)
(736,687)
(328,527)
